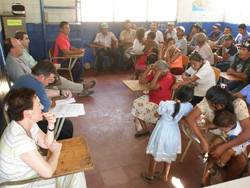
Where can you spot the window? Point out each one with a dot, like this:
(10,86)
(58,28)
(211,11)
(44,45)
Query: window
(134,10)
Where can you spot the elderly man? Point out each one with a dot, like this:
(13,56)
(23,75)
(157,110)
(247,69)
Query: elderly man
(226,53)
(196,28)
(203,48)
(42,75)
(127,37)
(158,33)
(104,40)
(216,33)
(170,32)
(240,67)
(219,42)
(243,34)
(181,42)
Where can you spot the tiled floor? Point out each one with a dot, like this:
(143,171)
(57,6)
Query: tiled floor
(109,128)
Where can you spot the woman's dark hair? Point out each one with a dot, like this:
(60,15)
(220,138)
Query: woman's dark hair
(221,96)
(17,100)
(195,56)
(184,94)
(169,39)
(152,35)
(224,118)
(151,58)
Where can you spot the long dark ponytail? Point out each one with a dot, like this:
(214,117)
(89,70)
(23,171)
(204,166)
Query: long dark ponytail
(183,94)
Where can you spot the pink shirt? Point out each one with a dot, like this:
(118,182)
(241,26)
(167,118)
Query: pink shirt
(62,43)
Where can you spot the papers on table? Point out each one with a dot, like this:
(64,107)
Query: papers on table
(65,109)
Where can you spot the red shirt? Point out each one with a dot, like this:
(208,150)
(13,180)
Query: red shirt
(62,42)
(165,92)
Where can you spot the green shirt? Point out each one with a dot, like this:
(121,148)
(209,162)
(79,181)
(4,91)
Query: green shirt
(28,59)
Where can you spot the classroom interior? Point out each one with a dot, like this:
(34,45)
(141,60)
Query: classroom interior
(108,124)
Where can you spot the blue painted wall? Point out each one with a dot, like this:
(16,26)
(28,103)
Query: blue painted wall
(87,32)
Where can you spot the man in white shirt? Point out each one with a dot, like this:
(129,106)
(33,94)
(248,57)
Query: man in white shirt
(104,40)
(203,48)
(159,35)
(181,42)
(171,31)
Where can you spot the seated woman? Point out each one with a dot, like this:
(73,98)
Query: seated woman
(144,108)
(171,55)
(199,73)
(19,156)
(218,98)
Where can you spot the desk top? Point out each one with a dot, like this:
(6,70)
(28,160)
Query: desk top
(76,56)
(92,45)
(229,77)
(134,85)
(75,157)
(136,53)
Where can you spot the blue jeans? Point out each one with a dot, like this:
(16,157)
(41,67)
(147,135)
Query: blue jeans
(235,86)
(223,66)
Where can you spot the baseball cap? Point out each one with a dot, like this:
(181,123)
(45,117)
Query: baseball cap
(217,26)
(246,44)
(181,28)
(198,24)
(200,37)
(170,23)
(228,37)
(104,26)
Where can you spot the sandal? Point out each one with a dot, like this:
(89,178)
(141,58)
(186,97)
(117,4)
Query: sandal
(156,175)
(137,135)
(89,85)
(145,178)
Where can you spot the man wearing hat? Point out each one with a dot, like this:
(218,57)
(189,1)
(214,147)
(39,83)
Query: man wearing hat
(240,67)
(203,48)
(226,53)
(104,40)
(158,33)
(170,32)
(243,34)
(216,33)
(180,41)
(219,42)
(196,28)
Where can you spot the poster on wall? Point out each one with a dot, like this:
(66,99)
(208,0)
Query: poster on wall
(200,5)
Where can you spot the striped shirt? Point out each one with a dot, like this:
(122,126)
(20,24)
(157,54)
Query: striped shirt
(14,142)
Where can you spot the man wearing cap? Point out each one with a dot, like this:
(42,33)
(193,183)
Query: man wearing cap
(159,35)
(226,53)
(63,48)
(203,48)
(196,28)
(243,34)
(219,42)
(127,37)
(216,33)
(240,67)
(181,42)
(170,32)
(104,40)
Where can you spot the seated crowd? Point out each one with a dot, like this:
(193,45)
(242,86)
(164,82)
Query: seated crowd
(159,62)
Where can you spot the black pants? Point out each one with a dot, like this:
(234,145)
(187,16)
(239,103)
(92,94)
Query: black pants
(66,132)
(76,70)
(115,55)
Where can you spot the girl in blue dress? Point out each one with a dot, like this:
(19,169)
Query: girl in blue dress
(165,141)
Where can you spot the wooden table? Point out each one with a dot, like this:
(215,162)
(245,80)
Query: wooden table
(135,86)
(75,157)
(228,77)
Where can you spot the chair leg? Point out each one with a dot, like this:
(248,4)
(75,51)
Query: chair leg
(185,152)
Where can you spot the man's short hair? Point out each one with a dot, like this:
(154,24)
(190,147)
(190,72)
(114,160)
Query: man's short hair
(155,23)
(7,45)
(152,35)
(224,118)
(242,26)
(229,28)
(127,21)
(19,35)
(44,67)
(63,23)
(245,44)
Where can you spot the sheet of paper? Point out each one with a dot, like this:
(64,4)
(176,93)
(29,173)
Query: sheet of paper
(65,101)
(68,110)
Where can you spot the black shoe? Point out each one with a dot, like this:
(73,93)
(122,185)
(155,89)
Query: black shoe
(114,72)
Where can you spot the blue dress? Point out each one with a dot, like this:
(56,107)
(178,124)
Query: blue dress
(165,140)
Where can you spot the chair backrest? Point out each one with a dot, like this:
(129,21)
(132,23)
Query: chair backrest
(217,73)
(51,54)
(184,62)
(215,58)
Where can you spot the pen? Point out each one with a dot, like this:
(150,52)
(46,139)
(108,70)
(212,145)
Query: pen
(67,93)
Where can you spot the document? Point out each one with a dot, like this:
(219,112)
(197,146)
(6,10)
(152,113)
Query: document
(65,101)
(68,110)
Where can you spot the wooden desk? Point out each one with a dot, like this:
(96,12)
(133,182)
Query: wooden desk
(135,86)
(75,157)
(228,77)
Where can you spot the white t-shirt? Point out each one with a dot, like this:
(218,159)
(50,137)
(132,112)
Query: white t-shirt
(206,78)
(158,37)
(181,45)
(172,34)
(206,52)
(137,46)
(105,40)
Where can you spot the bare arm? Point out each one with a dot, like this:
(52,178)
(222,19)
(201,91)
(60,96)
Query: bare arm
(240,75)
(143,79)
(153,84)
(55,93)
(170,56)
(185,82)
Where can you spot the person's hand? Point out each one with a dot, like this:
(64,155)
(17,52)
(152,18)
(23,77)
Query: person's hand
(217,151)
(224,45)
(189,48)
(55,147)
(50,117)
(133,26)
(116,46)
(204,146)
(171,48)
(57,66)
(65,92)
(175,86)
(230,71)
(104,47)
(150,67)
(185,78)
(159,72)
(81,49)
(219,59)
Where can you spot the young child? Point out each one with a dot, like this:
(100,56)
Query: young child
(230,128)
(165,141)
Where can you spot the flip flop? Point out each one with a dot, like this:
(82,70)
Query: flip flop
(156,175)
(144,177)
(140,135)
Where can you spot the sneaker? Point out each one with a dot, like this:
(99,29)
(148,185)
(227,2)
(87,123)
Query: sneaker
(85,93)
(89,85)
